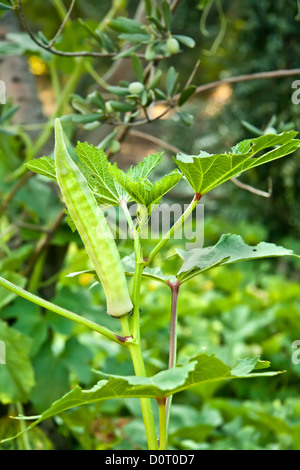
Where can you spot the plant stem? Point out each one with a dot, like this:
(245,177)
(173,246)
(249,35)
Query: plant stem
(146,406)
(139,369)
(178,224)
(137,358)
(24,436)
(137,278)
(173,339)
(135,346)
(63,312)
(163,437)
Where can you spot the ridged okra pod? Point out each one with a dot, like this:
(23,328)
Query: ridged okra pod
(92,227)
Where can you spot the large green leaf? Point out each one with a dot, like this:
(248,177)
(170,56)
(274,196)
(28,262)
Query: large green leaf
(198,370)
(205,171)
(16,375)
(229,249)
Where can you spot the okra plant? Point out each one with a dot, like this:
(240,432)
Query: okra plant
(94,183)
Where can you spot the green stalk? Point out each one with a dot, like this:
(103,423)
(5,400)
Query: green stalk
(170,233)
(135,346)
(137,358)
(24,437)
(139,369)
(146,406)
(63,312)
(173,341)
(163,437)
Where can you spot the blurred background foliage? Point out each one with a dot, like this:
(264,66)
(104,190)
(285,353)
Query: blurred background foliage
(237,311)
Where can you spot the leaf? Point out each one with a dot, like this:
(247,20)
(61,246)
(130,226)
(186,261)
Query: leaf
(44,166)
(141,189)
(156,79)
(205,172)
(3,6)
(97,99)
(137,67)
(7,48)
(8,113)
(186,93)
(135,37)
(229,249)
(121,107)
(167,14)
(105,188)
(16,375)
(146,166)
(86,118)
(171,79)
(108,140)
(247,365)
(29,320)
(26,44)
(198,370)
(14,259)
(118,90)
(126,25)
(186,118)
(148,7)
(185,40)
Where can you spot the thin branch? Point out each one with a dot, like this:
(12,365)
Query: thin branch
(14,191)
(28,226)
(51,43)
(244,78)
(174,5)
(43,243)
(64,53)
(155,140)
(194,71)
(55,51)
(253,190)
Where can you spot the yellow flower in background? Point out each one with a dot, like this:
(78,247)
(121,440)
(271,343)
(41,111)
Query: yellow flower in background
(37,65)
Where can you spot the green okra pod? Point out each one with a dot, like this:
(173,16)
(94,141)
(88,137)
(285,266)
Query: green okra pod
(92,227)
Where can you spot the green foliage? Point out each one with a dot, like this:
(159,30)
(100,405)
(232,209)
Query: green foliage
(229,249)
(199,370)
(234,319)
(205,172)
(17,375)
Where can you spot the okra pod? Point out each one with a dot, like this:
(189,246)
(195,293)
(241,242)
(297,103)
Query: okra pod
(92,227)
